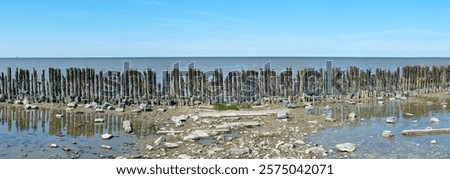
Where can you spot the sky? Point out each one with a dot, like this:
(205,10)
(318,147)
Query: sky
(186,28)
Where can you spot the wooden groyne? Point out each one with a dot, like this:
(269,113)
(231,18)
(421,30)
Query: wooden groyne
(193,86)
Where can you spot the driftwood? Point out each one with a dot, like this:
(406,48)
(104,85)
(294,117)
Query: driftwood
(239,113)
(238,124)
(420,132)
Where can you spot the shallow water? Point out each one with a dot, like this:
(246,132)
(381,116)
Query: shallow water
(28,134)
(366,133)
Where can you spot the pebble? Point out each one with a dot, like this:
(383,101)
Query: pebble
(106,136)
(346,147)
(106,147)
(53,146)
(433,142)
(391,120)
(434,120)
(387,134)
(171,145)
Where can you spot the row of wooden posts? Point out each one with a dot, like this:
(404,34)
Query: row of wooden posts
(194,86)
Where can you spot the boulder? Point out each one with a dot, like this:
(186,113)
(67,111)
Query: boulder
(127,126)
(195,135)
(171,145)
(387,134)
(282,115)
(434,120)
(106,136)
(346,147)
(315,150)
(352,115)
(391,120)
(145,107)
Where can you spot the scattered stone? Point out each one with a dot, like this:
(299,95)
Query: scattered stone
(18,102)
(391,120)
(171,145)
(106,136)
(346,147)
(99,120)
(409,114)
(237,151)
(59,115)
(184,156)
(145,107)
(315,150)
(179,120)
(291,106)
(66,149)
(415,121)
(194,118)
(99,110)
(148,147)
(300,142)
(111,108)
(72,105)
(434,120)
(161,110)
(159,140)
(195,135)
(352,115)
(127,126)
(329,119)
(282,115)
(53,146)
(30,106)
(433,142)
(106,147)
(120,109)
(387,134)
(74,142)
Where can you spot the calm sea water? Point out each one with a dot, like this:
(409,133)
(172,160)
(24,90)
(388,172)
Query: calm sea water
(210,63)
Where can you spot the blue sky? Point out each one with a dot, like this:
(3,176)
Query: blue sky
(103,28)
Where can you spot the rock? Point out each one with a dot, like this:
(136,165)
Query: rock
(180,120)
(69,109)
(391,120)
(66,149)
(127,126)
(433,142)
(286,147)
(30,106)
(300,142)
(352,115)
(161,110)
(53,146)
(59,115)
(327,108)
(237,151)
(145,107)
(329,119)
(171,145)
(138,110)
(282,115)
(346,147)
(291,106)
(99,110)
(88,106)
(106,147)
(72,105)
(315,150)
(106,136)
(148,147)
(434,120)
(194,118)
(99,120)
(195,135)
(111,108)
(159,140)
(387,134)
(184,156)
(120,109)
(18,102)
(105,105)
(409,114)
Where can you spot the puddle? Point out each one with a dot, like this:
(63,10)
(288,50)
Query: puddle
(366,130)
(28,134)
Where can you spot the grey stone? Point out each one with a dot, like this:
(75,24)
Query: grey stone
(145,107)
(106,136)
(434,120)
(171,145)
(316,150)
(184,156)
(159,140)
(195,135)
(346,147)
(99,120)
(391,120)
(352,115)
(282,115)
(72,105)
(120,109)
(127,126)
(106,147)
(387,134)
(237,151)
(53,146)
